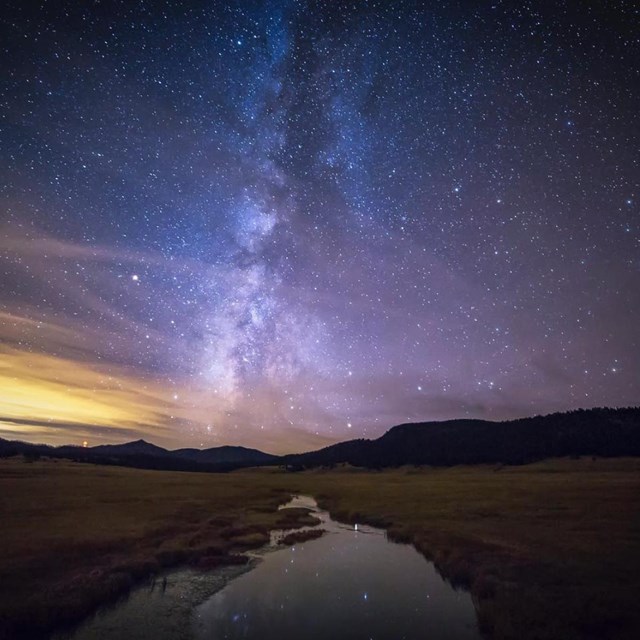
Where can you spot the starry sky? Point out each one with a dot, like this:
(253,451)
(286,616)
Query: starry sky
(281,224)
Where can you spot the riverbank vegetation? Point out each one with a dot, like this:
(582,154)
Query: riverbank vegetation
(549,550)
(74,536)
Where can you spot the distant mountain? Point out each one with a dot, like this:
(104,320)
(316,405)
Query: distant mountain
(138,447)
(594,432)
(144,455)
(214,455)
(225,454)
(599,432)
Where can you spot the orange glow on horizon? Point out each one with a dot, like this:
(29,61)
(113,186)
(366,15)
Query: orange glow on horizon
(55,400)
(43,388)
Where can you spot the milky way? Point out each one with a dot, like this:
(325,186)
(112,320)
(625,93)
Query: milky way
(282,224)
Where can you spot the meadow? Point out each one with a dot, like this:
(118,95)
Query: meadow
(548,550)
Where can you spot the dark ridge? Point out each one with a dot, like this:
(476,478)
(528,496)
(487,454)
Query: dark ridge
(141,447)
(592,432)
(225,454)
(144,455)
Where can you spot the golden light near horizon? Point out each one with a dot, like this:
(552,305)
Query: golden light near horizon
(295,249)
(56,400)
(37,389)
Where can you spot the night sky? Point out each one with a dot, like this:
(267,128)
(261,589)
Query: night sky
(283,224)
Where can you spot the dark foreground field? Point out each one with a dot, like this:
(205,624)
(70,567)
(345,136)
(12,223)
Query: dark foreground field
(550,550)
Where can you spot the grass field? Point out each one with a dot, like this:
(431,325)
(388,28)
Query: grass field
(550,550)
(74,536)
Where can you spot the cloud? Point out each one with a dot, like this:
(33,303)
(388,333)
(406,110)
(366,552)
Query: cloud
(39,390)
(37,250)
(57,432)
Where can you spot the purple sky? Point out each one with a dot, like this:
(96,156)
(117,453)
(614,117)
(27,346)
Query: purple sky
(285,224)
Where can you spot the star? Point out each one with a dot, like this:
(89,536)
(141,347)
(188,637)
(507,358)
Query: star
(317,205)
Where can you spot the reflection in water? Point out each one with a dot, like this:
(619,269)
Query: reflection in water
(156,611)
(350,584)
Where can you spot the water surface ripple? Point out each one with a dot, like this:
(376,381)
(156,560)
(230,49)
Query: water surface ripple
(350,584)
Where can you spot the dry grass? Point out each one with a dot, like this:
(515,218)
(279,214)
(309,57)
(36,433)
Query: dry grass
(296,516)
(297,537)
(74,536)
(550,550)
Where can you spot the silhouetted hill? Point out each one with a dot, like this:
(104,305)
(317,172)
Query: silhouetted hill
(144,455)
(138,447)
(593,432)
(598,432)
(226,454)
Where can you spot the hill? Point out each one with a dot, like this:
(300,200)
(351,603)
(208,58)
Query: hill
(592,432)
(226,455)
(145,455)
(595,432)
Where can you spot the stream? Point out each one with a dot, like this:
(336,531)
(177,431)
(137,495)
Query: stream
(352,583)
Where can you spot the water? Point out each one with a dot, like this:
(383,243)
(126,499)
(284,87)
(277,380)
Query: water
(350,584)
